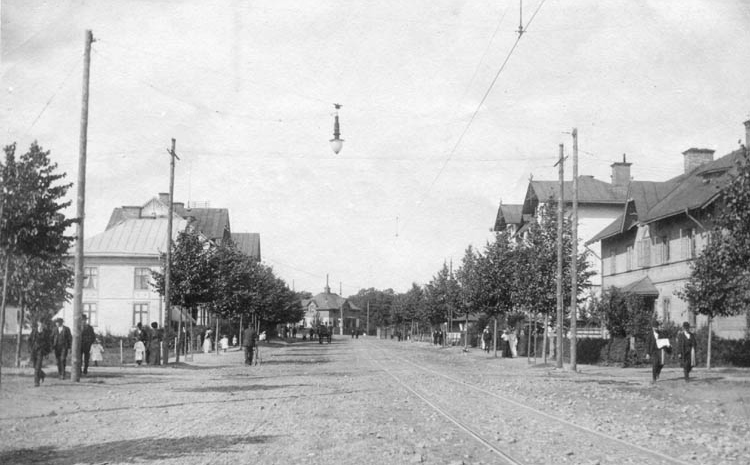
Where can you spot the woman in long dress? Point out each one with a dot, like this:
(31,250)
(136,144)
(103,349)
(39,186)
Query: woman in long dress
(207,344)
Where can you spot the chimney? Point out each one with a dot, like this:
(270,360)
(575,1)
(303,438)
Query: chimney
(179,206)
(747,133)
(164,197)
(697,157)
(621,173)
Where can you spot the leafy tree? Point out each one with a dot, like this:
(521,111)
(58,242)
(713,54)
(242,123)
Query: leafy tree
(719,282)
(380,303)
(33,242)
(624,314)
(442,296)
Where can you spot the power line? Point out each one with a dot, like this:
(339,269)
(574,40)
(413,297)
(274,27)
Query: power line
(476,111)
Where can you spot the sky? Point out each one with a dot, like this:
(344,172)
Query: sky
(247,90)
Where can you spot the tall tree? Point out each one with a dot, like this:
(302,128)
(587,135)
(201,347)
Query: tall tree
(33,228)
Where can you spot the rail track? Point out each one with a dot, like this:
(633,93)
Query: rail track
(596,446)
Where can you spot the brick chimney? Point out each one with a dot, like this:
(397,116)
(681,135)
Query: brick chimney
(697,157)
(164,197)
(621,173)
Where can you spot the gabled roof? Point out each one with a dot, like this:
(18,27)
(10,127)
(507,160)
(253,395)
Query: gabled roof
(140,237)
(247,243)
(590,190)
(211,222)
(508,214)
(328,301)
(696,189)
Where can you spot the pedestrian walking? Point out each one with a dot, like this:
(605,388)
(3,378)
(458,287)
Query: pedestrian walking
(62,339)
(486,339)
(656,351)
(686,349)
(87,338)
(248,343)
(513,343)
(97,352)
(39,347)
(154,345)
(140,352)
(234,341)
(294,332)
(207,343)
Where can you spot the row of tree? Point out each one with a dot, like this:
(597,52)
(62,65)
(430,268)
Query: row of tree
(511,277)
(226,282)
(36,275)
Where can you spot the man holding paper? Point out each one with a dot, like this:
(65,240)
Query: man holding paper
(656,351)
(686,349)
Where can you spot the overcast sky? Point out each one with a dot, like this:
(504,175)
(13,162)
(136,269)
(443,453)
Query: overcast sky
(247,87)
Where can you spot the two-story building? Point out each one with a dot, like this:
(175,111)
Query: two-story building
(599,203)
(661,229)
(332,310)
(118,263)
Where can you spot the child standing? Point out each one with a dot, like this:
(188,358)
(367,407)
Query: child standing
(97,352)
(140,351)
(224,343)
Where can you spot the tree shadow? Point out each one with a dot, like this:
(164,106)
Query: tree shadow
(131,450)
(294,362)
(238,388)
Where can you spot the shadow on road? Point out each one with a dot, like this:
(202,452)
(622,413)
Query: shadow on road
(238,388)
(132,450)
(295,362)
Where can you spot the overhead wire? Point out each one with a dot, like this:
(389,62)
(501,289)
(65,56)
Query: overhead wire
(476,111)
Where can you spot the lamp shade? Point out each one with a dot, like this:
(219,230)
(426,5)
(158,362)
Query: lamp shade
(336,145)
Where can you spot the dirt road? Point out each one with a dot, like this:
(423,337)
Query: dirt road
(368,401)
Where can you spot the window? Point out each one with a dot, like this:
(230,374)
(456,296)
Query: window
(142,279)
(90,278)
(629,258)
(90,311)
(644,252)
(613,262)
(665,310)
(687,244)
(661,244)
(140,314)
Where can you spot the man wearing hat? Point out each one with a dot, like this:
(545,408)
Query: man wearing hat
(62,339)
(686,349)
(87,338)
(655,352)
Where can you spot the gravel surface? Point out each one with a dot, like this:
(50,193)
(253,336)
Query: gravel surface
(372,401)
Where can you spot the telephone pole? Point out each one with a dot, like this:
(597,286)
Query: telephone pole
(168,264)
(574,260)
(560,214)
(75,373)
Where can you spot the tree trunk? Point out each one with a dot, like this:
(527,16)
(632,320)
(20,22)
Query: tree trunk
(544,341)
(494,338)
(216,337)
(19,338)
(6,266)
(178,340)
(708,352)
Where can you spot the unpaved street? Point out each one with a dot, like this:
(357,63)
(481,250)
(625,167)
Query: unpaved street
(372,401)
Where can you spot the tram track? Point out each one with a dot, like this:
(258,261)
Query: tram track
(554,423)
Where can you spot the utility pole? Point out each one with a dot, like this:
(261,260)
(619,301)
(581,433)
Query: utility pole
(75,374)
(560,212)
(168,264)
(574,260)
(368,318)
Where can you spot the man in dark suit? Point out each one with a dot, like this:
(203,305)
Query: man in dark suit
(654,353)
(686,349)
(87,338)
(248,343)
(62,339)
(39,347)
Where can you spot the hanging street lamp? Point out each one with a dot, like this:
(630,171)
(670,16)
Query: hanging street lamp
(336,143)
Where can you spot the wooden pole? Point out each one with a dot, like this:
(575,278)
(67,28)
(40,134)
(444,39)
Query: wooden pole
(710,337)
(21,312)
(122,355)
(574,261)
(6,267)
(75,374)
(560,213)
(494,338)
(168,264)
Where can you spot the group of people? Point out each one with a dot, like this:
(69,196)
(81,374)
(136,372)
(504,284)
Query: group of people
(147,344)
(59,340)
(658,347)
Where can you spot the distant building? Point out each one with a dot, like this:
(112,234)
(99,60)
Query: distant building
(328,309)
(663,226)
(118,263)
